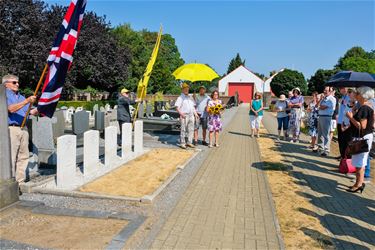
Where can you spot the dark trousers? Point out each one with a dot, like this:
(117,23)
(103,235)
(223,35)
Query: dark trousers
(343,138)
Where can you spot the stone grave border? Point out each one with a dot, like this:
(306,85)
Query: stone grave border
(147,199)
(117,242)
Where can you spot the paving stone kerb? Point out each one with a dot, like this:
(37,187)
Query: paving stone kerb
(228,204)
(348,218)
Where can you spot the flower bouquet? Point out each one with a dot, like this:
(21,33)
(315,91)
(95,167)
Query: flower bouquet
(216,109)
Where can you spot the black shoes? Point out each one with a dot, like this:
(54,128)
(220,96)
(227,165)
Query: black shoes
(361,188)
(204,143)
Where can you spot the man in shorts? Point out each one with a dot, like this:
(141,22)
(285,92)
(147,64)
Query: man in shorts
(201,101)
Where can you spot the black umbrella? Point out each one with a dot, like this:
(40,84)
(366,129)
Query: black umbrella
(351,79)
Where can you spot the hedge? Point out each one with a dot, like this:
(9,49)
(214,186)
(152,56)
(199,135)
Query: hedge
(87,105)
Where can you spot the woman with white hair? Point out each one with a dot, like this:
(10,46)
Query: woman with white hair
(362,125)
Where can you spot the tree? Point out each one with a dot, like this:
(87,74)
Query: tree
(27,31)
(235,63)
(357,59)
(287,80)
(22,39)
(317,81)
(141,44)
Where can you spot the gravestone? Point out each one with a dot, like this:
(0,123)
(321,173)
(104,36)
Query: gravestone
(99,121)
(8,185)
(110,146)
(95,108)
(42,139)
(66,161)
(58,127)
(102,109)
(115,107)
(64,107)
(149,110)
(141,110)
(69,113)
(80,122)
(90,152)
(113,119)
(79,109)
(126,140)
(107,107)
(138,136)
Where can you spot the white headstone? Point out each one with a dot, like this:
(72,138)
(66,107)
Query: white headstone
(79,109)
(110,145)
(107,107)
(90,151)
(126,139)
(69,113)
(66,161)
(138,136)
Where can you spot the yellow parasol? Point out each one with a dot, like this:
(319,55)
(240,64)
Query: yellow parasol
(195,72)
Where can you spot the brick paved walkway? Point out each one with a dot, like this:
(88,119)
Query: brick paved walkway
(349,218)
(228,203)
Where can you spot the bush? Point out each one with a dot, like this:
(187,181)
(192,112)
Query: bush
(85,104)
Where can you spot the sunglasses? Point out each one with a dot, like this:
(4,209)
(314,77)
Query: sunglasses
(13,82)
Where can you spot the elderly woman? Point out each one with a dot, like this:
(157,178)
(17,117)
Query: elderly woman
(256,114)
(313,119)
(296,106)
(362,125)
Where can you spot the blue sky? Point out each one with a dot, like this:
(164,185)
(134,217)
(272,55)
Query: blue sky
(302,35)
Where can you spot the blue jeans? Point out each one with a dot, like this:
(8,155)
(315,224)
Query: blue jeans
(367,168)
(283,123)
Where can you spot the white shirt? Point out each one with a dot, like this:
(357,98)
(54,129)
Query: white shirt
(185,104)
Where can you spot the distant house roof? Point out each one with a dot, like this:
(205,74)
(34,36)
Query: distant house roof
(241,74)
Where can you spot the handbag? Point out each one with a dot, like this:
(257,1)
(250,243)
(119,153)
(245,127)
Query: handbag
(358,145)
(345,165)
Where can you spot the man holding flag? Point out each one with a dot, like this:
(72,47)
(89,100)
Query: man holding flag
(19,138)
(58,64)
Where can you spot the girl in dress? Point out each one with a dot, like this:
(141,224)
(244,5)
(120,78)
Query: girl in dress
(214,118)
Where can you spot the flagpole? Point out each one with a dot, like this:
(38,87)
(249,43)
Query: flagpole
(35,93)
(136,110)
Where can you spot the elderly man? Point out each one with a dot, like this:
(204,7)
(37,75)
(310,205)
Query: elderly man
(19,138)
(201,103)
(186,108)
(123,107)
(326,108)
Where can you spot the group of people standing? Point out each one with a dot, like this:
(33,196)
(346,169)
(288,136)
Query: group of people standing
(196,112)
(290,112)
(352,115)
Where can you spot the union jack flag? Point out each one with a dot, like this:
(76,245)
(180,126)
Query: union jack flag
(61,57)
